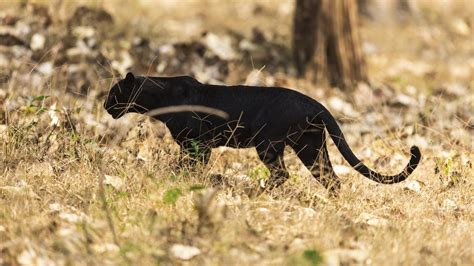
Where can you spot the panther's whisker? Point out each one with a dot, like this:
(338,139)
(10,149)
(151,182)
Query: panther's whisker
(157,83)
(113,106)
(134,95)
(141,106)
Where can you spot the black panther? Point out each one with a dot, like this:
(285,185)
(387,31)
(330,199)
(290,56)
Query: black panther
(267,118)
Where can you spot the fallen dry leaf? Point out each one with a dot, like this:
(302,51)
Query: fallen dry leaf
(413,185)
(31,257)
(221,46)
(37,42)
(372,220)
(449,204)
(340,169)
(339,105)
(115,181)
(343,256)
(184,252)
(106,247)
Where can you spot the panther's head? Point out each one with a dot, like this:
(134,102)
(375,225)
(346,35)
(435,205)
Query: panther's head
(122,97)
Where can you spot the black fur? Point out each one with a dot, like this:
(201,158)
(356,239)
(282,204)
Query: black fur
(265,118)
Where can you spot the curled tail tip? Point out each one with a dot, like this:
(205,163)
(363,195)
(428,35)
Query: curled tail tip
(415,151)
(414,160)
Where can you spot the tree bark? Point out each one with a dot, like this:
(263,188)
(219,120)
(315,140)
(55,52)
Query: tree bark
(363,7)
(304,33)
(326,42)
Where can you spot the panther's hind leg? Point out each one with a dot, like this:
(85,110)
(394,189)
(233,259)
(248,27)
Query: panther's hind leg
(271,154)
(312,151)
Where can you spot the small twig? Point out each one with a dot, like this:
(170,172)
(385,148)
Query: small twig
(188,108)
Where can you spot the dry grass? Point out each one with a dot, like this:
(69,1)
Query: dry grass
(90,190)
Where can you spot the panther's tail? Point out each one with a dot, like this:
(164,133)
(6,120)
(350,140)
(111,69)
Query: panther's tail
(338,137)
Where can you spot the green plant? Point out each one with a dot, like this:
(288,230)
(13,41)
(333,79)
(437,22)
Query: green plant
(310,257)
(196,187)
(35,105)
(445,168)
(172,195)
(259,172)
(197,150)
(313,257)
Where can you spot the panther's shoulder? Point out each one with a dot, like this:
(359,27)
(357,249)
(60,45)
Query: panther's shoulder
(189,80)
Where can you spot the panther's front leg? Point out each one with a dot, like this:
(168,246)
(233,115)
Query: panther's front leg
(271,154)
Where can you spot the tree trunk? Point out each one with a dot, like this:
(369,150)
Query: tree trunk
(364,8)
(304,33)
(326,42)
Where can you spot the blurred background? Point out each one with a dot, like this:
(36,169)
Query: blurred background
(217,41)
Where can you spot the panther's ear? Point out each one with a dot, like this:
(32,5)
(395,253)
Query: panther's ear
(129,79)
